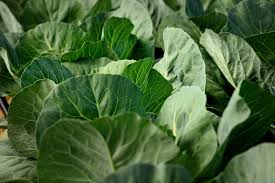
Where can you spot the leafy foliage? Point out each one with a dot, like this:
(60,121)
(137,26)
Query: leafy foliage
(149,91)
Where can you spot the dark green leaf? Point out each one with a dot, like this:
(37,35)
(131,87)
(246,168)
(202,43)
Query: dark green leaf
(89,97)
(257,28)
(154,87)
(44,68)
(145,173)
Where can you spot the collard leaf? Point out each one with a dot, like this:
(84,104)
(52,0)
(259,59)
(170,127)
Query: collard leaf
(236,59)
(23,114)
(89,97)
(209,14)
(39,11)
(114,68)
(154,87)
(182,63)
(93,26)
(10,24)
(9,56)
(101,6)
(157,10)
(117,35)
(13,166)
(258,29)
(218,91)
(117,43)
(184,113)
(178,22)
(90,50)
(132,139)
(51,39)
(145,173)
(86,66)
(73,151)
(8,85)
(242,170)
(143,26)
(246,119)
(235,62)
(44,68)
(213,20)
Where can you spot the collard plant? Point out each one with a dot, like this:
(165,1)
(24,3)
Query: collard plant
(138,91)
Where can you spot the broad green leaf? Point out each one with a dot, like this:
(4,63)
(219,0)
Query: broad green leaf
(200,8)
(40,11)
(234,57)
(132,139)
(13,166)
(157,10)
(184,113)
(73,151)
(117,43)
(143,26)
(90,97)
(182,63)
(51,39)
(209,14)
(258,29)
(217,90)
(154,87)
(86,66)
(101,6)
(8,64)
(245,121)
(194,8)
(10,24)
(178,22)
(93,26)
(117,35)
(23,114)
(44,68)
(214,21)
(242,170)
(8,85)
(9,56)
(114,68)
(146,173)
(90,50)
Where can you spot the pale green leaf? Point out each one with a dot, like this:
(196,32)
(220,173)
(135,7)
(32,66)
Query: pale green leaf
(182,63)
